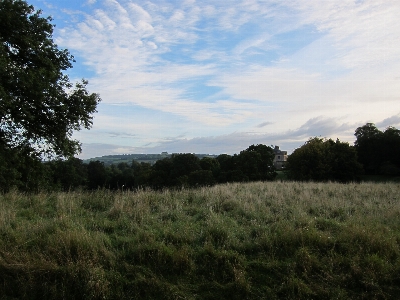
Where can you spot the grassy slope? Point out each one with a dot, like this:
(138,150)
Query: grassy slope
(278,240)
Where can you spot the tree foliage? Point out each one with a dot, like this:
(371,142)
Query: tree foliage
(22,170)
(68,174)
(377,150)
(97,175)
(256,162)
(39,107)
(252,164)
(323,160)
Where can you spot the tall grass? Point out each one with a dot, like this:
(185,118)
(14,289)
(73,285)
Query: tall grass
(274,240)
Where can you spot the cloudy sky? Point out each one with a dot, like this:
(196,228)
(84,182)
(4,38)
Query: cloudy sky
(215,76)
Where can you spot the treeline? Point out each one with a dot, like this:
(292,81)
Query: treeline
(180,170)
(374,152)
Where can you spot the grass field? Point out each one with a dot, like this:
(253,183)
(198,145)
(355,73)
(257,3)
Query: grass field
(274,240)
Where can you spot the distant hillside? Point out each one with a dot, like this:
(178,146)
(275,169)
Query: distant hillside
(146,158)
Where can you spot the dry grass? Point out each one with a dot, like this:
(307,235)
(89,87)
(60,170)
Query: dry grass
(275,240)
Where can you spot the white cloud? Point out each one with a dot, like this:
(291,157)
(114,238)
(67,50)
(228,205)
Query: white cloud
(363,32)
(158,55)
(260,42)
(139,13)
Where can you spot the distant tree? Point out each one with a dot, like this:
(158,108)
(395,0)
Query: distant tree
(68,174)
(227,168)
(161,174)
(230,170)
(210,164)
(365,132)
(114,177)
(378,151)
(225,161)
(142,173)
(164,165)
(390,143)
(97,175)
(201,178)
(309,161)
(368,145)
(120,176)
(236,175)
(256,162)
(343,162)
(127,180)
(182,166)
(246,166)
(322,160)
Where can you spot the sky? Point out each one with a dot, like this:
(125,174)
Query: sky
(216,76)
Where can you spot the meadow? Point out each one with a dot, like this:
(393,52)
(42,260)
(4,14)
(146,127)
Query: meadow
(262,240)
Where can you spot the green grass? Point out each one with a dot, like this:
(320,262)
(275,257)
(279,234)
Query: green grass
(274,240)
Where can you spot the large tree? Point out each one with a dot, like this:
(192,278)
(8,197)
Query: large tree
(39,107)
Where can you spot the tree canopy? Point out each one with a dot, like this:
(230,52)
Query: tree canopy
(39,106)
(378,150)
(251,164)
(256,162)
(323,160)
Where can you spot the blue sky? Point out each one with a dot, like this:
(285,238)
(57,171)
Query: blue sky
(218,76)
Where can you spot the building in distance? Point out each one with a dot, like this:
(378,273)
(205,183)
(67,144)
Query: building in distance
(280,158)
